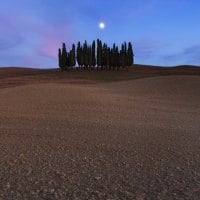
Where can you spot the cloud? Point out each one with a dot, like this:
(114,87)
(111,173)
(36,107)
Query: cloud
(6,43)
(148,51)
(140,9)
(9,36)
(30,39)
(51,39)
(189,55)
(192,54)
(146,48)
(32,31)
(192,50)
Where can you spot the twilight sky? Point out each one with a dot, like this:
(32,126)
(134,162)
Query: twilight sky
(163,32)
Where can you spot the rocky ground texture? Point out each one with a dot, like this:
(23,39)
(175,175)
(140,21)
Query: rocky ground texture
(137,139)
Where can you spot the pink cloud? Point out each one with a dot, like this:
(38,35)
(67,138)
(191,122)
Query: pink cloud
(52,38)
(37,38)
(31,62)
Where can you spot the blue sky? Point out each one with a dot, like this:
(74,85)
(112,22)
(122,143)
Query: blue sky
(162,32)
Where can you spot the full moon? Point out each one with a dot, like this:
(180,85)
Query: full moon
(102,25)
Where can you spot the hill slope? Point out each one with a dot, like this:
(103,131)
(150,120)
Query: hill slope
(134,139)
(10,77)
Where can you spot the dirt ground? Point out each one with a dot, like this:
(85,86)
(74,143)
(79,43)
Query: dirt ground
(135,139)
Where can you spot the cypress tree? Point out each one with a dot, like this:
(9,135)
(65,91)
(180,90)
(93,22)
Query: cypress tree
(99,53)
(108,58)
(130,54)
(60,58)
(125,54)
(98,58)
(122,56)
(117,58)
(103,55)
(85,54)
(125,47)
(114,57)
(93,54)
(90,64)
(104,52)
(64,57)
(68,60)
(78,54)
(81,57)
(73,56)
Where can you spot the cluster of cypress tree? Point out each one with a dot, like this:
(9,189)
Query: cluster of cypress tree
(66,59)
(96,55)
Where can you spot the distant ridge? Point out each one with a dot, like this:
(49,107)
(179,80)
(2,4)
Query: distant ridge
(135,65)
(185,66)
(6,72)
(158,66)
(135,70)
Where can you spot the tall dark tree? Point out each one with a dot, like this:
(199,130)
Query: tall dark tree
(93,54)
(78,54)
(107,58)
(72,56)
(64,56)
(112,59)
(68,61)
(90,64)
(81,57)
(104,52)
(123,56)
(114,56)
(117,57)
(60,58)
(85,54)
(99,53)
(130,54)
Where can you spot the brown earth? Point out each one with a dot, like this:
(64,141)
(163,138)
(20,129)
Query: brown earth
(135,139)
(11,77)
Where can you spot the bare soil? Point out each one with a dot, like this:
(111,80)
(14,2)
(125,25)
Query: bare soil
(11,77)
(87,138)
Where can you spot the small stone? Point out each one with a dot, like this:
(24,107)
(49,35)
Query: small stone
(98,178)
(21,155)
(45,190)
(52,191)
(178,168)
(8,185)
(29,171)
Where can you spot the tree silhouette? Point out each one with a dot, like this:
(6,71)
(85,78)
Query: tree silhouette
(73,56)
(90,57)
(60,58)
(122,56)
(64,57)
(93,53)
(78,54)
(99,55)
(130,55)
(85,55)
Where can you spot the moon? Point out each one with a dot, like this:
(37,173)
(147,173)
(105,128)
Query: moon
(102,25)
